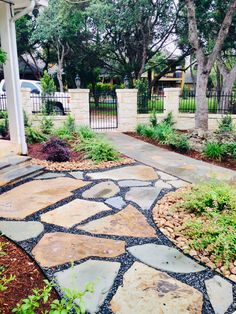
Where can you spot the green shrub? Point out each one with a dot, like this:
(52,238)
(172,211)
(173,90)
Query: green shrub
(231,149)
(4,127)
(226,124)
(179,142)
(213,196)
(47,125)
(68,130)
(85,132)
(214,150)
(169,119)
(163,132)
(34,136)
(145,130)
(47,84)
(27,122)
(3,114)
(153,118)
(98,150)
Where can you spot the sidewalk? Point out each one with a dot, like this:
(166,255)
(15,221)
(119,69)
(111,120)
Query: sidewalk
(184,167)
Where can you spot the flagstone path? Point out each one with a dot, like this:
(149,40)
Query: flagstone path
(101,221)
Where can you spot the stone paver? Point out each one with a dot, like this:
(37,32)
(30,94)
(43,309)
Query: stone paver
(165,258)
(116,202)
(21,230)
(102,273)
(59,248)
(148,291)
(50,175)
(183,167)
(178,183)
(77,174)
(143,196)
(74,213)
(33,196)
(133,183)
(128,222)
(162,185)
(165,176)
(220,293)
(102,190)
(139,172)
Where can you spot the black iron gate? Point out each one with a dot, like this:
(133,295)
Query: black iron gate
(103,111)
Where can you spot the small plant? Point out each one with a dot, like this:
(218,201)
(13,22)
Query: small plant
(47,83)
(47,125)
(68,130)
(214,150)
(98,150)
(204,197)
(169,120)
(85,132)
(145,130)
(56,150)
(179,142)
(230,149)
(34,136)
(27,122)
(3,114)
(4,280)
(163,132)
(226,124)
(153,118)
(4,127)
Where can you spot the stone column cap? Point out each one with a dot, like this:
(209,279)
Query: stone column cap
(127,90)
(79,90)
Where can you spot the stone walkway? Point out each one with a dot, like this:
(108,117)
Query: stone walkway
(101,221)
(184,167)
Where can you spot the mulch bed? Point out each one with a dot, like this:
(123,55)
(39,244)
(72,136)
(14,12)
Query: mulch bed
(170,221)
(226,163)
(28,276)
(78,161)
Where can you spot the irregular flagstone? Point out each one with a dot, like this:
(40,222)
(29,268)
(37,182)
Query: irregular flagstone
(102,190)
(140,172)
(59,248)
(165,258)
(21,230)
(162,185)
(50,175)
(131,183)
(102,273)
(116,202)
(166,177)
(143,196)
(77,174)
(33,196)
(148,291)
(220,293)
(74,213)
(178,183)
(128,222)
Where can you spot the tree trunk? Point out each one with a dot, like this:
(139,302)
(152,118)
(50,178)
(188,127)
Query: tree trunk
(59,77)
(201,116)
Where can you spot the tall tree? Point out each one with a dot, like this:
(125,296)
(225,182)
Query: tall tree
(206,59)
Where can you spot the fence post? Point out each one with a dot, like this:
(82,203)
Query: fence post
(27,103)
(79,100)
(171,101)
(127,102)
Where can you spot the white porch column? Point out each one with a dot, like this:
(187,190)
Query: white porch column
(11,75)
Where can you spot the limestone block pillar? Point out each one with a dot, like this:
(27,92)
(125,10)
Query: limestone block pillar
(79,104)
(171,101)
(127,102)
(27,102)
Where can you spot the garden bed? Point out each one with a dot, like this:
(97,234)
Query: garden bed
(27,276)
(226,163)
(78,160)
(212,243)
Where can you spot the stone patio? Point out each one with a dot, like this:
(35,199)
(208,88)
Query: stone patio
(102,223)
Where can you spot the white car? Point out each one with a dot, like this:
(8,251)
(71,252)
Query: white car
(60,100)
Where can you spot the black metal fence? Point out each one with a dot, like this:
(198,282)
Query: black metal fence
(3,103)
(148,104)
(221,103)
(103,111)
(52,104)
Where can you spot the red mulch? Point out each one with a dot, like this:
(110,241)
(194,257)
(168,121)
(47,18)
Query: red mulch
(226,163)
(35,151)
(28,276)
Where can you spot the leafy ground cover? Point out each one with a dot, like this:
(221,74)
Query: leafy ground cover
(201,220)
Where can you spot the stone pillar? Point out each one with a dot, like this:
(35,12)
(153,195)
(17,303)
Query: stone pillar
(171,101)
(27,102)
(127,102)
(79,104)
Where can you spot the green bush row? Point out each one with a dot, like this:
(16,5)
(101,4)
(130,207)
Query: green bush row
(216,150)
